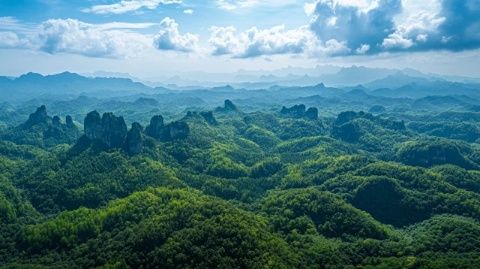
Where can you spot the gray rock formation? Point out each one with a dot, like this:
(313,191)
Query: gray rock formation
(69,121)
(134,140)
(156,127)
(40,116)
(114,130)
(93,125)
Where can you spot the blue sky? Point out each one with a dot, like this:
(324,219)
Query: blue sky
(148,38)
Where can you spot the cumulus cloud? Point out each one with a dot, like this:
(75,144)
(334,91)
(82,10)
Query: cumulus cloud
(235,4)
(373,26)
(364,48)
(232,5)
(125,6)
(9,40)
(169,38)
(108,40)
(333,47)
(456,27)
(188,11)
(255,42)
(76,37)
(354,23)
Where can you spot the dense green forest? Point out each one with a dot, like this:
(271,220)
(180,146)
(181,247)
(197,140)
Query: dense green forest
(349,181)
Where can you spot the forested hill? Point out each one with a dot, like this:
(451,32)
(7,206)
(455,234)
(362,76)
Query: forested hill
(230,187)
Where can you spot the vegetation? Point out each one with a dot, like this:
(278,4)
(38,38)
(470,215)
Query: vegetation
(235,186)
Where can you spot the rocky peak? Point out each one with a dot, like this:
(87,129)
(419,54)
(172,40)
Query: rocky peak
(109,129)
(312,113)
(209,118)
(176,130)
(345,117)
(114,130)
(155,129)
(40,116)
(296,111)
(69,121)
(93,125)
(56,121)
(134,140)
(300,111)
(229,106)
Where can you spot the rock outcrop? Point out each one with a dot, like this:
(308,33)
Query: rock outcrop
(348,116)
(56,121)
(312,113)
(40,116)
(296,111)
(93,125)
(110,129)
(176,130)
(209,117)
(42,130)
(172,131)
(114,130)
(69,121)
(111,132)
(134,140)
(300,111)
(228,106)
(155,129)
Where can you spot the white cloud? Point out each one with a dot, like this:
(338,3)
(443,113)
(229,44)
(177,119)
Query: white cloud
(235,4)
(188,11)
(364,48)
(274,41)
(124,25)
(354,23)
(397,25)
(231,5)
(396,41)
(333,47)
(125,6)
(76,37)
(169,38)
(10,40)
(255,42)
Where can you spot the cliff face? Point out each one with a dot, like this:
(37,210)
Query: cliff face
(172,131)
(296,111)
(69,121)
(134,140)
(176,130)
(155,129)
(300,111)
(114,130)
(109,129)
(40,116)
(312,113)
(228,106)
(42,130)
(93,125)
(209,118)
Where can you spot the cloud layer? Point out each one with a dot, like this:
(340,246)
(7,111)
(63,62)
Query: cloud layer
(169,38)
(255,42)
(125,6)
(374,26)
(76,37)
(336,28)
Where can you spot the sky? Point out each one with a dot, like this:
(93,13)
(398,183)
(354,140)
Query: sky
(159,38)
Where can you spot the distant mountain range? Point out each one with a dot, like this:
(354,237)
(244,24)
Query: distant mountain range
(65,84)
(407,83)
